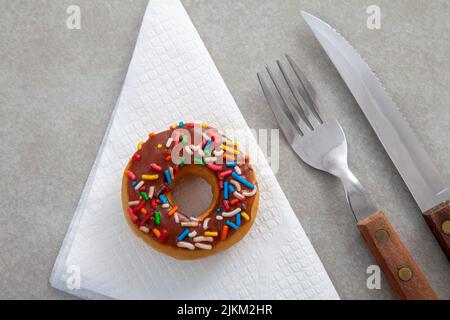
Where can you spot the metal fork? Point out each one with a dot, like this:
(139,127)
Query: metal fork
(315,136)
(318,139)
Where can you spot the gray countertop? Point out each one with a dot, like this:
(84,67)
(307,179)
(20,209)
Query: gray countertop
(59,86)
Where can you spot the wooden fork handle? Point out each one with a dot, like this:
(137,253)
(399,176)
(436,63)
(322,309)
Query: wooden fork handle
(438,220)
(399,268)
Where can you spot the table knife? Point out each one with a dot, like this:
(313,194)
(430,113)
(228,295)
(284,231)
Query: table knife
(422,177)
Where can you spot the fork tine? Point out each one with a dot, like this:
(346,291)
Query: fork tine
(307,88)
(295,115)
(287,127)
(300,101)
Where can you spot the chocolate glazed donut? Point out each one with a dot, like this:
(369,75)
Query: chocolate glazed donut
(157,168)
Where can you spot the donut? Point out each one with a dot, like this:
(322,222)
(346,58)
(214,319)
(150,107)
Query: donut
(157,168)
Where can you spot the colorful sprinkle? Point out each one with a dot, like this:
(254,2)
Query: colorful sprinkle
(163,198)
(214,167)
(133,217)
(245,215)
(238,220)
(172,211)
(243,181)
(238,195)
(144,229)
(211,233)
(232,164)
(137,157)
(192,234)
(155,167)
(151,191)
(225,190)
(130,175)
(139,146)
(144,195)
(224,174)
(238,170)
(228,214)
(203,246)
(203,239)
(133,183)
(229,157)
(199,161)
(183,235)
(172,175)
(223,234)
(157,217)
(163,236)
(169,142)
(168,177)
(159,146)
(208,143)
(139,185)
(180,124)
(186,245)
(249,194)
(156,232)
(228,149)
(133,203)
(205,223)
(150,176)
(146,218)
(226,204)
(139,207)
(231,188)
(190,224)
(231,224)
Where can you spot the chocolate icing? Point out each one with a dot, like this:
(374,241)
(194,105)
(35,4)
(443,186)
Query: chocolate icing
(151,153)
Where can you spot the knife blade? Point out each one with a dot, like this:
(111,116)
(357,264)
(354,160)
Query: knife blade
(423,179)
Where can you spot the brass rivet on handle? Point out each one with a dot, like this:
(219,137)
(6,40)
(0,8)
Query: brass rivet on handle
(446,227)
(381,236)
(405,274)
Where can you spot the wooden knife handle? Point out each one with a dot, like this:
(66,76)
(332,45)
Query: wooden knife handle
(399,268)
(438,220)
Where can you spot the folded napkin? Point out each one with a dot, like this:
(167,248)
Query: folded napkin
(171,77)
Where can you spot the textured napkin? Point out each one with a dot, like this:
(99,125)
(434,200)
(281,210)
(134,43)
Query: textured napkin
(171,77)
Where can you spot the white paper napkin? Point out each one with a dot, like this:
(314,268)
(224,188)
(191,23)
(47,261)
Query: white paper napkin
(171,77)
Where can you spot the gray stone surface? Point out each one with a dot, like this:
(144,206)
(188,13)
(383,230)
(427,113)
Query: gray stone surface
(58,88)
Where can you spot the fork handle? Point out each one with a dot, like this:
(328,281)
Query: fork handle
(438,220)
(399,268)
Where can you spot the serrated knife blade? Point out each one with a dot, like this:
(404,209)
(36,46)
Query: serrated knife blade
(422,177)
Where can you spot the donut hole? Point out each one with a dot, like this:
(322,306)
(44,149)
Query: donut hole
(193,195)
(194,191)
